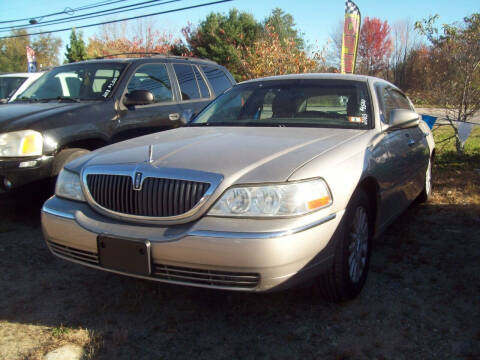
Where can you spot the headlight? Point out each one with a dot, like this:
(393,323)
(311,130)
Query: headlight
(21,143)
(273,200)
(68,186)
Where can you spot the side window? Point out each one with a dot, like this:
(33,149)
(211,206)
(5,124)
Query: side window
(154,78)
(401,100)
(201,83)
(388,104)
(187,81)
(218,79)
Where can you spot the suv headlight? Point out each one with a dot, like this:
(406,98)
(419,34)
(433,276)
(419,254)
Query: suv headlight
(68,186)
(276,200)
(21,143)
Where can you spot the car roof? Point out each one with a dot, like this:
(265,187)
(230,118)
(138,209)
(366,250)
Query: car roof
(315,76)
(148,59)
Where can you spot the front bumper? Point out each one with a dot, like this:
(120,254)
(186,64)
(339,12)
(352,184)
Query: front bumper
(204,253)
(16,172)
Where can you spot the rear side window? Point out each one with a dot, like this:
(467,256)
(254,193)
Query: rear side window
(201,84)
(187,81)
(218,79)
(153,78)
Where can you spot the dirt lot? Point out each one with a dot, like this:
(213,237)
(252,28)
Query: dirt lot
(421,300)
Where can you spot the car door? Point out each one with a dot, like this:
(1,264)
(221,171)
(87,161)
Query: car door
(162,114)
(194,91)
(395,195)
(418,148)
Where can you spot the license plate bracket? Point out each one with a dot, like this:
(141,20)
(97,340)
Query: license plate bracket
(129,256)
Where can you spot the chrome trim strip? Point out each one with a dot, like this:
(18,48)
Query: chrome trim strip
(259,235)
(58,213)
(150,171)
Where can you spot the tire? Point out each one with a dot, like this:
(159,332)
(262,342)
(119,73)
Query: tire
(64,157)
(346,278)
(426,193)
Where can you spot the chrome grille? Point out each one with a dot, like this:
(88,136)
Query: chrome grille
(157,197)
(76,254)
(206,277)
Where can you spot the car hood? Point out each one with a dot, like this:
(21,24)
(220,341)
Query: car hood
(19,116)
(240,154)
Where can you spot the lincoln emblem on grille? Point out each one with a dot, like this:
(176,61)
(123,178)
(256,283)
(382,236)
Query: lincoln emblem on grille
(137,183)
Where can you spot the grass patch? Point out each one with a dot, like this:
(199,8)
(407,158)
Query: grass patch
(446,155)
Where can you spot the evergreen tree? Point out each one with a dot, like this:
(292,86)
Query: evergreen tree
(283,24)
(76,51)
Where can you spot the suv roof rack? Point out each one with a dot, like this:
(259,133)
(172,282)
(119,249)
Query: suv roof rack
(152,54)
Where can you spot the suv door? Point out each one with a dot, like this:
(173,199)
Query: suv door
(163,114)
(194,92)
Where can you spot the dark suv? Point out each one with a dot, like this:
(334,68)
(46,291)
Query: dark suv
(83,106)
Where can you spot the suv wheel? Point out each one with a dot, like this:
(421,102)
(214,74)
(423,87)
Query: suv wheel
(64,157)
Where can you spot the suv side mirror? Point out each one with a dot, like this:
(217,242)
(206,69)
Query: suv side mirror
(138,97)
(403,118)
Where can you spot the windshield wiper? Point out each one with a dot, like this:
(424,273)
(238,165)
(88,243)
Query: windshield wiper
(24,98)
(61,98)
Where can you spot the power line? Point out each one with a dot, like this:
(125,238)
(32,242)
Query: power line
(114,21)
(66,11)
(89,15)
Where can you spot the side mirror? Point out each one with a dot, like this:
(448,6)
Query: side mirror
(402,118)
(138,97)
(3,101)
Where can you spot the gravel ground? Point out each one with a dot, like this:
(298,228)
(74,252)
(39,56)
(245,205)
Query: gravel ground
(421,300)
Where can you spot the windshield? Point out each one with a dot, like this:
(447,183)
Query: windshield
(8,85)
(83,81)
(307,103)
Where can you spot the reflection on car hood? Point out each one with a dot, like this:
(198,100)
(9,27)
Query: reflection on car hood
(240,154)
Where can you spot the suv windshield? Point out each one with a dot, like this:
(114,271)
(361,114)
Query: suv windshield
(307,103)
(83,81)
(9,84)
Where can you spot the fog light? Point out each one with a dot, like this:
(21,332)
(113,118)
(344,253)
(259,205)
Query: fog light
(26,164)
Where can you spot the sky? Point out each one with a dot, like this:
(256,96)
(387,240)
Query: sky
(316,19)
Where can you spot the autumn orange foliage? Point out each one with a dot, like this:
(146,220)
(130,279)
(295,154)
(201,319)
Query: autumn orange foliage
(270,56)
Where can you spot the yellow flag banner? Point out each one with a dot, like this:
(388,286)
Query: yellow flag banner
(351,33)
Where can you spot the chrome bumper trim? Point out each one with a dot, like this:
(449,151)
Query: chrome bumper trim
(58,213)
(224,234)
(259,235)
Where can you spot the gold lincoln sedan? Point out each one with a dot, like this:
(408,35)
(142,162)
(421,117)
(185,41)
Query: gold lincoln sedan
(278,181)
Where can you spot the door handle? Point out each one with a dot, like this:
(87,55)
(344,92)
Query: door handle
(411,142)
(174,116)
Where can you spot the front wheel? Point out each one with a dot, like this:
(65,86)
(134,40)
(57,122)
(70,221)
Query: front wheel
(426,193)
(346,278)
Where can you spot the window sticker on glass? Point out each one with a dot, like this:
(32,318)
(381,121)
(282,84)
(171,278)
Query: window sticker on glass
(110,87)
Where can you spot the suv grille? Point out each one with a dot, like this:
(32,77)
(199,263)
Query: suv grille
(157,198)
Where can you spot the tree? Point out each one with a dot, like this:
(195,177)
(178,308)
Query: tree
(220,37)
(141,37)
(13,55)
(270,55)
(283,25)
(374,47)
(454,69)
(404,42)
(76,50)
